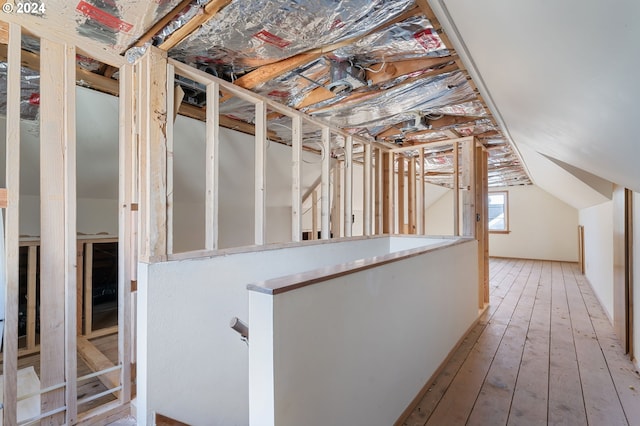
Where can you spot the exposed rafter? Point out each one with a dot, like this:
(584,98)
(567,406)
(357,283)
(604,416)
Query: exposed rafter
(209,11)
(271,71)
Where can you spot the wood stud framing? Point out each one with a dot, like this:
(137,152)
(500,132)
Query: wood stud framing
(324,185)
(367,190)
(152,104)
(127,236)
(296,179)
(348,186)
(10,340)
(145,184)
(58,233)
(212,167)
(260,174)
(170,104)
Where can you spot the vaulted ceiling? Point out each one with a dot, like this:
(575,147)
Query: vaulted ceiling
(562,76)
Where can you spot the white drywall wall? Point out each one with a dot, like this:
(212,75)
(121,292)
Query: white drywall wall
(356,350)
(236,187)
(439,215)
(94,216)
(598,251)
(185,319)
(541,227)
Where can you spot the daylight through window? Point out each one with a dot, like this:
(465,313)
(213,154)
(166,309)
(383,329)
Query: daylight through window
(498,212)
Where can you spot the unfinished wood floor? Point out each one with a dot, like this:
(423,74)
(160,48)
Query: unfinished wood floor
(543,353)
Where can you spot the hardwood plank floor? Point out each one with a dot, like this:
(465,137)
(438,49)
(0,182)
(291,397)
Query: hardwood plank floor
(544,352)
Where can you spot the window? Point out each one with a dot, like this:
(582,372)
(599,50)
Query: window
(498,212)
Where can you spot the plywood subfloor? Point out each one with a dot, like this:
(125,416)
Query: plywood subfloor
(543,353)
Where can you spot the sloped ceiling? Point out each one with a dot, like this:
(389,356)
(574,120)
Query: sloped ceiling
(563,77)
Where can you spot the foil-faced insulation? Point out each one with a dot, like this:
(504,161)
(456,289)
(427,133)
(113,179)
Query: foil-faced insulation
(400,103)
(466,109)
(291,88)
(247,34)
(29,92)
(178,21)
(410,39)
(116,23)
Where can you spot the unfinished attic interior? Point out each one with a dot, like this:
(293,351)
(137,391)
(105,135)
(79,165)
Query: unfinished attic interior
(318,212)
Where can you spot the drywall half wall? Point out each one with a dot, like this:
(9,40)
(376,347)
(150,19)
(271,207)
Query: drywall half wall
(540,227)
(356,348)
(598,252)
(191,365)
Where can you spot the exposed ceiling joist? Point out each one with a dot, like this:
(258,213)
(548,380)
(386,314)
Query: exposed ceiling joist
(209,11)
(162,23)
(390,70)
(4,32)
(271,71)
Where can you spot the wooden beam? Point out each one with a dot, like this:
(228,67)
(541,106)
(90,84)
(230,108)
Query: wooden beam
(152,96)
(83,77)
(32,263)
(324,185)
(296,179)
(379,179)
(401,195)
(57,217)
(387,71)
(146,37)
(314,216)
(88,288)
(54,31)
(336,219)
(11,230)
(271,71)
(421,194)
(468,176)
(70,231)
(79,287)
(209,11)
(4,32)
(212,167)
(356,95)
(274,70)
(260,175)
(127,229)
(169,133)
(387,211)
(482,225)
(318,94)
(348,187)
(411,195)
(456,189)
(97,361)
(367,205)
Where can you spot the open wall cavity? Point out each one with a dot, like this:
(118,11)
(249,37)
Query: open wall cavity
(66,334)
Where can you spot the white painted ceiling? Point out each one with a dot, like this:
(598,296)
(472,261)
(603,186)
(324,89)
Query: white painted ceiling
(562,74)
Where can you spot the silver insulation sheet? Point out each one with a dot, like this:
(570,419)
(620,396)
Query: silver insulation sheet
(400,103)
(117,23)
(291,88)
(29,92)
(250,33)
(410,39)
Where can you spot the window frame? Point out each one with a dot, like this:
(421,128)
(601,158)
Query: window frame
(506,229)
